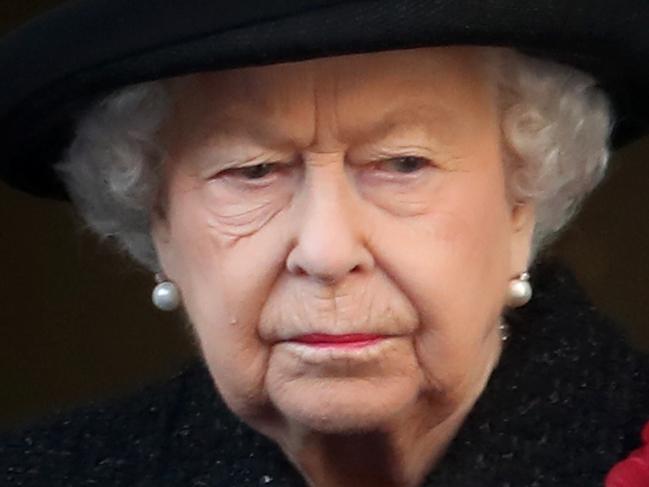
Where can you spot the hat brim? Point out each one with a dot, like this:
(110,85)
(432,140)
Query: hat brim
(56,66)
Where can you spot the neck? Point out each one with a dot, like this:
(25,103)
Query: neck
(394,455)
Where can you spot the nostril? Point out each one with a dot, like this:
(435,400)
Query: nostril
(327,264)
(295,268)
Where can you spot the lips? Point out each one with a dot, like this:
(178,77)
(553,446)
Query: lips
(348,340)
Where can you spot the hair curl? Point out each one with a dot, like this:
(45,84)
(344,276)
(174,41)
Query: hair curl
(555,125)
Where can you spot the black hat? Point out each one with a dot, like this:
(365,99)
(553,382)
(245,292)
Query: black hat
(54,67)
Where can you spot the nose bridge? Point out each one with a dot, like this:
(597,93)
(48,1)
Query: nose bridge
(329,240)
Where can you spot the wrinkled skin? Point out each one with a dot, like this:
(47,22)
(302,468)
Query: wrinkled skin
(377,204)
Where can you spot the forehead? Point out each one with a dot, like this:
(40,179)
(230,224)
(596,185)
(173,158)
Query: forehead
(351,93)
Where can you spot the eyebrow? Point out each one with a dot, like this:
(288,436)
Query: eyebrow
(267,134)
(442,123)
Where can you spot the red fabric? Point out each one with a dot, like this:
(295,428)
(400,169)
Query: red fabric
(634,470)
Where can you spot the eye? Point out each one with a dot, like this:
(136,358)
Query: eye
(251,173)
(404,164)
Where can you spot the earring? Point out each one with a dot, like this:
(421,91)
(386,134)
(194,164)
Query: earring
(504,330)
(165,296)
(520,291)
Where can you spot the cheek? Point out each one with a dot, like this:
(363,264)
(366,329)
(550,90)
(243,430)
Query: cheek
(452,262)
(461,244)
(216,269)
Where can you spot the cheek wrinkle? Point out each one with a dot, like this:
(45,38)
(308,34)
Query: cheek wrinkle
(228,228)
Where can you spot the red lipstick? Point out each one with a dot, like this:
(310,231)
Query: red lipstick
(349,340)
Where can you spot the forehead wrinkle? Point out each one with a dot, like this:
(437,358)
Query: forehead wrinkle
(326,133)
(261,104)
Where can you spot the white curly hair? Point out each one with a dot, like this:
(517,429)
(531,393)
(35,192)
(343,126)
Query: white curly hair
(555,122)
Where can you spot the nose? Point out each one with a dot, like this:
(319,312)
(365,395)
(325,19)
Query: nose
(331,238)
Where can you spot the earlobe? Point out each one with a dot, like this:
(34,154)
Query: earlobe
(160,232)
(161,239)
(523,220)
(523,217)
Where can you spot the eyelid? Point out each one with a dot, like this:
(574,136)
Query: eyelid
(236,171)
(279,161)
(369,155)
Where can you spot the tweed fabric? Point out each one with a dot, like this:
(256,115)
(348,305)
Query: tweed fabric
(566,402)
(55,66)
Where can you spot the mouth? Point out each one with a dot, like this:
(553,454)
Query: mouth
(321,349)
(350,340)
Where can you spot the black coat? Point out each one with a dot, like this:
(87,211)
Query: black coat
(566,402)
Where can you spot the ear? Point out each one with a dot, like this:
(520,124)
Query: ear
(523,220)
(160,229)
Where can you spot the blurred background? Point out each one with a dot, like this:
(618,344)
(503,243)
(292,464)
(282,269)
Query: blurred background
(78,324)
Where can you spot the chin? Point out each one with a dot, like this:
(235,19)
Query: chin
(340,405)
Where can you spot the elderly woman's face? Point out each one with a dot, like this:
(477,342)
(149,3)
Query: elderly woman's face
(341,235)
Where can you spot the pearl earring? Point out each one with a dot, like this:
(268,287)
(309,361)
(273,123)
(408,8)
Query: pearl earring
(520,291)
(165,296)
